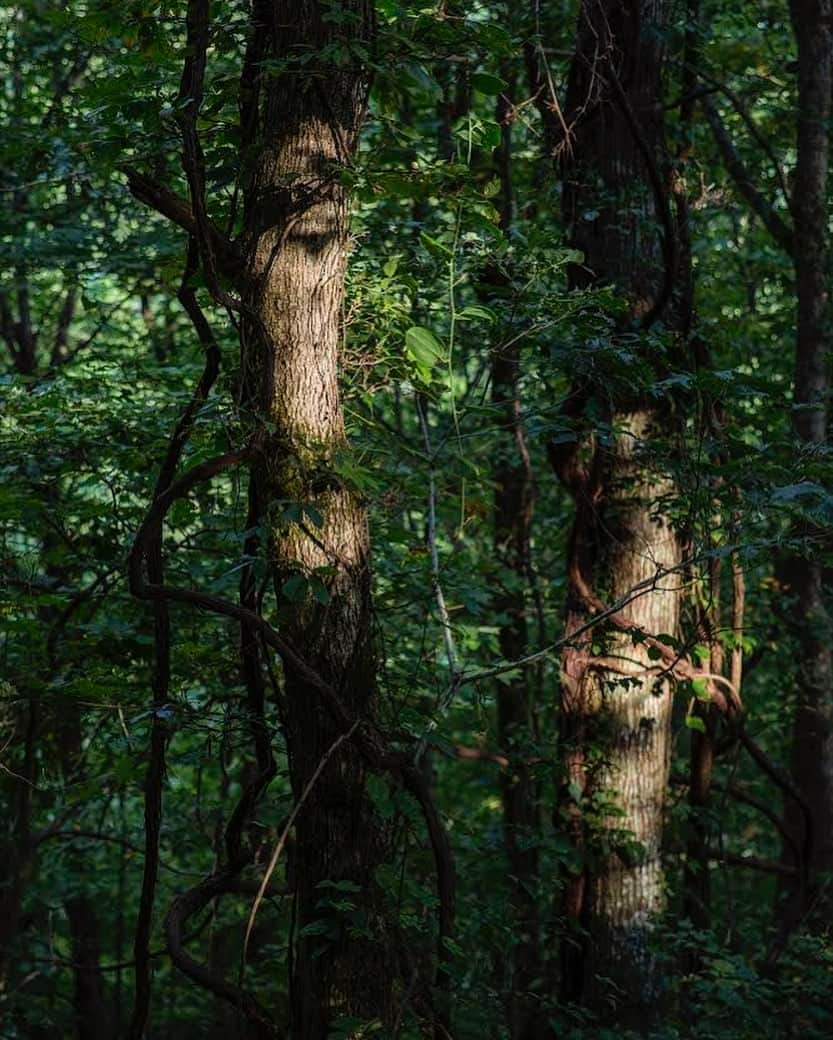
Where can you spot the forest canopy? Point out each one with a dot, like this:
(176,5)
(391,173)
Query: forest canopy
(416,520)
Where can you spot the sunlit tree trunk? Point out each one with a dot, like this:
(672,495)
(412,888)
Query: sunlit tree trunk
(616,707)
(295,243)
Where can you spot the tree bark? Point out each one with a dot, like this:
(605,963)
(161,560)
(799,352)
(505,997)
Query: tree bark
(812,757)
(295,249)
(616,707)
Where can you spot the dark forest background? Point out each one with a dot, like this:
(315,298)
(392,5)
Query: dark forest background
(415,519)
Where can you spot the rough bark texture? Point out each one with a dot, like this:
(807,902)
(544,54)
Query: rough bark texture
(304,124)
(615,707)
(812,762)
(616,726)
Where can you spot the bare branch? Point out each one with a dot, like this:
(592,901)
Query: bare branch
(178,210)
(182,909)
(744,180)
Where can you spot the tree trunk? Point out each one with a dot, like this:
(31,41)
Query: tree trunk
(616,708)
(93,1013)
(17,848)
(295,250)
(514,495)
(513,509)
(616,714)
(812,758)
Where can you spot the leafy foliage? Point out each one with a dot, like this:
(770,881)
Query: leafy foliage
(437,286)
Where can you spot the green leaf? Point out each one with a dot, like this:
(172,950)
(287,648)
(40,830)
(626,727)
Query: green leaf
(424,349)
(695,722)
(435,247)
(315,928)
(488,84)
(340,886)
(295,588)
(476,312)
(319,590)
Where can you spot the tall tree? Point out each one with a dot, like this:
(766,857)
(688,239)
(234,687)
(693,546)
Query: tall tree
(303,91)
(808,845)
(812,754)
(303,127)
(513,512)
(615,701)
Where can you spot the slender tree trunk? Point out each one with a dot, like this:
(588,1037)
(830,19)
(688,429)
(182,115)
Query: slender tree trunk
(93,1013)
(296,243)
(616,707)
(812,758)
(697,882)
(17,850)
(513,509)
(512,517)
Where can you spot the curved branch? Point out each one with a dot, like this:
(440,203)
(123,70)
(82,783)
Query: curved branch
(741,795)
(370,743)
(184,907)
(151,551)
(783,780)
(191,89)
(166,203)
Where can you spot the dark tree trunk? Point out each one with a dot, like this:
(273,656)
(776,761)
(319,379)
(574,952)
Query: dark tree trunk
(616,708)
(513,509)
(515,697)
(17,848)
(812,759)
(295,246)
(93,1013)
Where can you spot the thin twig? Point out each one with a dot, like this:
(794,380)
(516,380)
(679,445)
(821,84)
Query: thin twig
(445,620)
(290,823)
